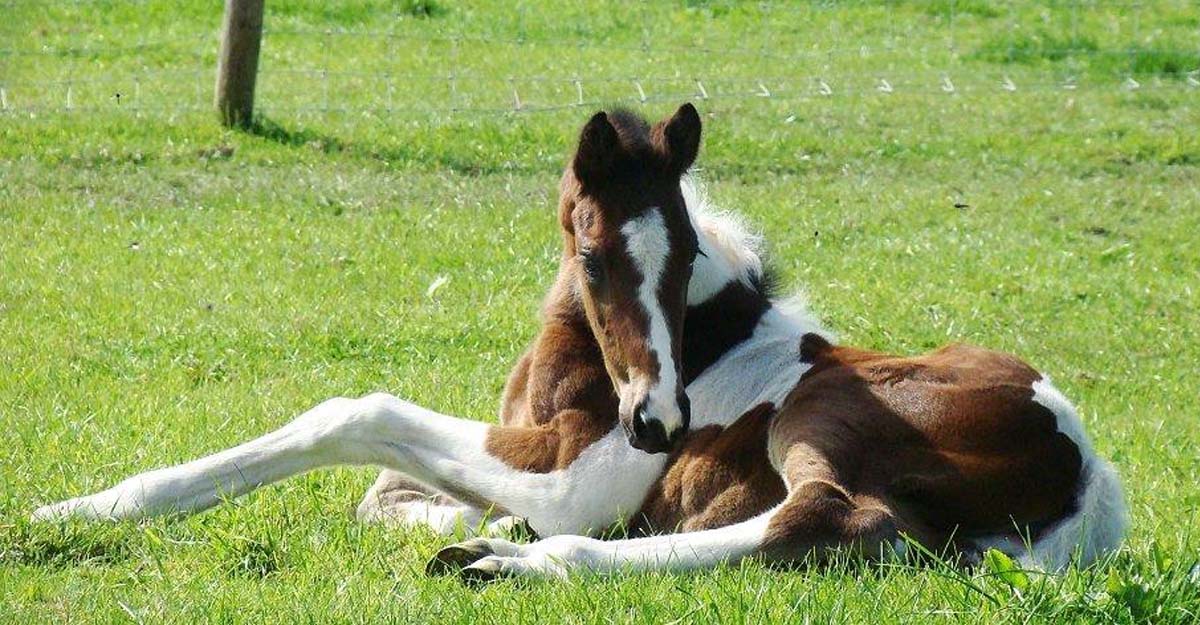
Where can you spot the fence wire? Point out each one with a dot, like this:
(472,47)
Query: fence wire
(444,70)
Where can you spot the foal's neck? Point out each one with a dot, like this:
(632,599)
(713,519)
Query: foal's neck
(741,346)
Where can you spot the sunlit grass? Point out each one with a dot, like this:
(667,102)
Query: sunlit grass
(168,288)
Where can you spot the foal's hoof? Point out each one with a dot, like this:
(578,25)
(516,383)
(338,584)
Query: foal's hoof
(455,558)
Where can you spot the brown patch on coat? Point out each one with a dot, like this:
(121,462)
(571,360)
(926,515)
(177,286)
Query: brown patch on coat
(559,398)
(812,346)
(720,476)
(948,444)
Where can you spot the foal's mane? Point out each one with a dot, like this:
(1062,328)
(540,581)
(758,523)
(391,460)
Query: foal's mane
(732,236)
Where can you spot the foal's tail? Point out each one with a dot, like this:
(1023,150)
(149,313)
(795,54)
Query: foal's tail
(1094,529)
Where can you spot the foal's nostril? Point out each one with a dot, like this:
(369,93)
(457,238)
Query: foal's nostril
(648,435)
(639,421)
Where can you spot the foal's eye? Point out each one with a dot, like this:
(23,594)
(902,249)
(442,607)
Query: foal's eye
(592,266)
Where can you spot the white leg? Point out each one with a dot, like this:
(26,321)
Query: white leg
(396,500)
(487,558)
(446,453)
(293,449)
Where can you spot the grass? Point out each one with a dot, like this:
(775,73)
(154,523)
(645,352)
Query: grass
(169,288)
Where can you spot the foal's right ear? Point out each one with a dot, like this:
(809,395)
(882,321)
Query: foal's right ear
(598,144)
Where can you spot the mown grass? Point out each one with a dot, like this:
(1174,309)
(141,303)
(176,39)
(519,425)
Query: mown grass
(168,288)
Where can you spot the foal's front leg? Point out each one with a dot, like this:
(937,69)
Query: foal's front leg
(817,518)
(816,523)
(446,453)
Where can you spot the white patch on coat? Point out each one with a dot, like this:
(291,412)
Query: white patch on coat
(763,368)
(1102,518)
(648,244)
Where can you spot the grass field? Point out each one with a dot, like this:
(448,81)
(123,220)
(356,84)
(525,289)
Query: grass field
(169,288)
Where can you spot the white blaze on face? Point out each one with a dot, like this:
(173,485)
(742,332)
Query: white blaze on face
(647,243)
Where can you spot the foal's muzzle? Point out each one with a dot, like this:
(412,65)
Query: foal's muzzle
(651,436)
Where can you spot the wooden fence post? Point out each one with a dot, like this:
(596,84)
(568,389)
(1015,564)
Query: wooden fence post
(237,66)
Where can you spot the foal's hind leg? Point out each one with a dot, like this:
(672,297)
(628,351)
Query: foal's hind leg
(818,518)
(395,499)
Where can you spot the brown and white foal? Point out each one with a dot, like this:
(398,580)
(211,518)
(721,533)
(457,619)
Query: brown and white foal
(790,446)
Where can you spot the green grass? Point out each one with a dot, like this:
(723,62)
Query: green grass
(169,288)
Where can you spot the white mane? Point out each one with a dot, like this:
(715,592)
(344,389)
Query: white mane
(725,233)
(728,235)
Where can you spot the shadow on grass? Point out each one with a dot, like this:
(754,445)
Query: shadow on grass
(436,152)
(272,131)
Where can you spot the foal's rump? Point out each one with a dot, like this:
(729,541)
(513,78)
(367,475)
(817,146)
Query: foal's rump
(1098,520)
(970,448)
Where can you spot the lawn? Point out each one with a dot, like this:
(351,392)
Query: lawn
(169,288)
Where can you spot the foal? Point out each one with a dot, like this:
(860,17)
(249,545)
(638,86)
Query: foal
(790,446)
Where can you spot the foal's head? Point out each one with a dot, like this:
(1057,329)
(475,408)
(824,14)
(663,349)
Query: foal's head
(629,246)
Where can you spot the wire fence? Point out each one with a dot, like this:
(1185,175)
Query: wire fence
(445,66)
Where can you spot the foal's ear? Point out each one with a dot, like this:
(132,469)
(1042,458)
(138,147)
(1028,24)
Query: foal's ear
(681,135)
(598,145)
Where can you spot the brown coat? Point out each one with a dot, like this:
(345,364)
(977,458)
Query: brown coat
(950,443)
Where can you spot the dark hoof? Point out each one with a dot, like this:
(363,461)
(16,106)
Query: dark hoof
(454,558)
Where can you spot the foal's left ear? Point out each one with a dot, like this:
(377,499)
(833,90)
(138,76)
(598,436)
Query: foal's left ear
(681,138)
